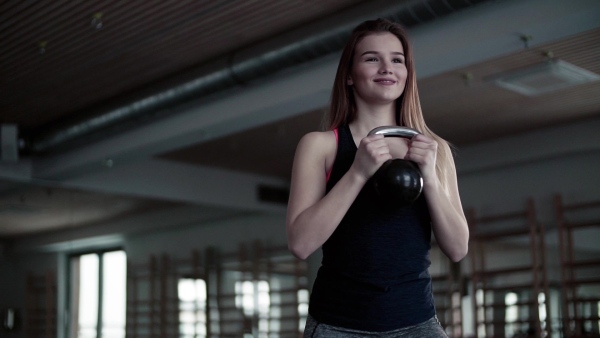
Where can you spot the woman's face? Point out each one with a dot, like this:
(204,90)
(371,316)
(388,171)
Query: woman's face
(378,73)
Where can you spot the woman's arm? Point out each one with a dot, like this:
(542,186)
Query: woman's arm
(312,215)
(448,219)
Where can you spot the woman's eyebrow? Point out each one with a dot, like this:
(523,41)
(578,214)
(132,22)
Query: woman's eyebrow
(374,52)
(369,52)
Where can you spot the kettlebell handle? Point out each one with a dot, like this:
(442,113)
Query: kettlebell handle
(396,131)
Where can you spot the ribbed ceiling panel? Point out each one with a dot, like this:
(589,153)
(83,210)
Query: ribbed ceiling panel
(140,42)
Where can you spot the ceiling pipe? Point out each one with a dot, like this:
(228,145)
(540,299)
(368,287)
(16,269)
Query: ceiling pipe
(251,64)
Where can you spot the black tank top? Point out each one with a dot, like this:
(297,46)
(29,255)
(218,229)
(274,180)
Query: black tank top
(374,273)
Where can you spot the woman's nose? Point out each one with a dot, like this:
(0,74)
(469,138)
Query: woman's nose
(385,68)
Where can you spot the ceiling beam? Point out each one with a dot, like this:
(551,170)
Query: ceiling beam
(171,181)
(280,98)
(574,138)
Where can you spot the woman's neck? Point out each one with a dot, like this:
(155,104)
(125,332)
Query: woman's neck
(371,117)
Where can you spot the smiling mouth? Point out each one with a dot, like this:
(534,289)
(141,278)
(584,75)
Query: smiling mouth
(382,81)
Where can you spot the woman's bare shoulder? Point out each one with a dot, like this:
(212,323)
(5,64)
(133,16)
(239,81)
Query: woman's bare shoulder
(323,140)
(317,147)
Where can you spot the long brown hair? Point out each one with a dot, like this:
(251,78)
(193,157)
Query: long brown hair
(408,110)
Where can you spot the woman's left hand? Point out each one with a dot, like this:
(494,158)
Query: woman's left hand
(422,150)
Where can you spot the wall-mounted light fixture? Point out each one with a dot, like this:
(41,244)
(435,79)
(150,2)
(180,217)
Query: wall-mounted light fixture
(543,78)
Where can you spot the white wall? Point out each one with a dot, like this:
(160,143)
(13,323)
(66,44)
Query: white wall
(224,235)
(501,175)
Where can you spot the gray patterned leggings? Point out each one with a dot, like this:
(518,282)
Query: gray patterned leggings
(430,328)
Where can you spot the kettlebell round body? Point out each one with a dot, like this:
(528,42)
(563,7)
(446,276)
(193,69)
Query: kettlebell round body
(398,182)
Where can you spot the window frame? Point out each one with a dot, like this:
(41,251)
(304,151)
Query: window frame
(69,294)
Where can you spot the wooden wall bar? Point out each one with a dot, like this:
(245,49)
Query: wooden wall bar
(154,306)
(580,309)
(527,278)
(40,311)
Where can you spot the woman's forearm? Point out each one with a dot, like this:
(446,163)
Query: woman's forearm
(448,223)
(309,229)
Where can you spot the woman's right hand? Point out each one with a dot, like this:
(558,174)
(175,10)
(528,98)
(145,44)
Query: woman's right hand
(372,152)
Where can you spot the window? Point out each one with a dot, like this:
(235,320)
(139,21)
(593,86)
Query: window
(515,316)
(512,313)
(480,301)
(254,299)
(98,295)
(272,305)
(192,307)
(303,297)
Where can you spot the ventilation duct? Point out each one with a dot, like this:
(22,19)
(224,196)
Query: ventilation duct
(245,66)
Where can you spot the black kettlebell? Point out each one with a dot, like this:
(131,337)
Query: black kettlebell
(397,181)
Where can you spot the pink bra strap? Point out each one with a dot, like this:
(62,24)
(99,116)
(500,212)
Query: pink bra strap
(337,141)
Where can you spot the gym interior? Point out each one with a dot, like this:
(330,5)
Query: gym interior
(147,151)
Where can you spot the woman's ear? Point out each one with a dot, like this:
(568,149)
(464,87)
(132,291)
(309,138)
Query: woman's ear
(349,81)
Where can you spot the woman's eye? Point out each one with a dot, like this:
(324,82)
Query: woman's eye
(371,59)
(398,61)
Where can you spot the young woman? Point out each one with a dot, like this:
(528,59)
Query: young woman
(374,274)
